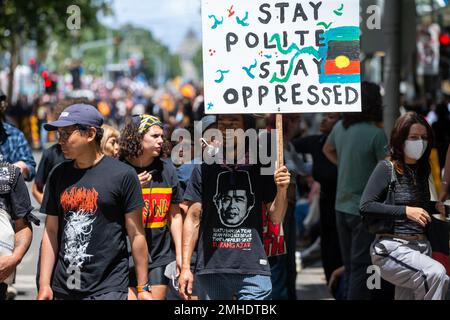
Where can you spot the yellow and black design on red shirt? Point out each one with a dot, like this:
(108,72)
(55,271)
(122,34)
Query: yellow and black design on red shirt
(157,203)
(273,236)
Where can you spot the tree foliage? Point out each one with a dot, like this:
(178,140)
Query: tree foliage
(38,20)
(45,21)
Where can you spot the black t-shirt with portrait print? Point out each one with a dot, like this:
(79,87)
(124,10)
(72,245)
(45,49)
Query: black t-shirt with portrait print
(232,199)
(159,194)
(51,157)
(91,205)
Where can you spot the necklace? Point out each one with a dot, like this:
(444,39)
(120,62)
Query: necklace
(413,174)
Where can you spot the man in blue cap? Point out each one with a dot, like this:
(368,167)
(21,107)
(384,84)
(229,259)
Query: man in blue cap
(224,221)
(90,202)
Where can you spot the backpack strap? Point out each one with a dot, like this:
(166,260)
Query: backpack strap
(393,175)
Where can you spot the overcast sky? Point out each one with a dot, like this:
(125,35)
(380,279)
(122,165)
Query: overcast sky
(169,20)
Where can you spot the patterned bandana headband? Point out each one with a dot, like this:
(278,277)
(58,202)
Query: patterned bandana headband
(146,121)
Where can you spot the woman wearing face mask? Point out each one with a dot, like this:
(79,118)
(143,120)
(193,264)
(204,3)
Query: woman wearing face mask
(403,252)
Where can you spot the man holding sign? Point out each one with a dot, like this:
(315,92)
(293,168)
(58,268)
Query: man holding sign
(261,57)
(231,261)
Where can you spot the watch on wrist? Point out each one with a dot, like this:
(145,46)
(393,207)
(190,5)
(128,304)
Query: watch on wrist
(145,288)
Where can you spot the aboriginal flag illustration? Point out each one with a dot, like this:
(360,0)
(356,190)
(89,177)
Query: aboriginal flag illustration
(340,56)
(157,203)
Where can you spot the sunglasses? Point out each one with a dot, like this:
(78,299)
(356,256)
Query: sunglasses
(65,135)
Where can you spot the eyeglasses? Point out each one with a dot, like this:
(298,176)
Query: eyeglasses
(64,135)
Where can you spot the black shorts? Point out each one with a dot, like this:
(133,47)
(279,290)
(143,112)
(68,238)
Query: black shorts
(156,277)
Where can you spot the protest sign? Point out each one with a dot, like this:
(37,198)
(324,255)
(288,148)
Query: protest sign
(281,56)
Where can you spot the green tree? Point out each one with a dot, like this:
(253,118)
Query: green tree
(198,61)
(41,20)
(139,41)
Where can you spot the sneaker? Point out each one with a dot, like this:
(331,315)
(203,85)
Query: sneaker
(298,261)
(11,293)
(311,255)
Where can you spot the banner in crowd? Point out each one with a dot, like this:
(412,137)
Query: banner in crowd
(281,57)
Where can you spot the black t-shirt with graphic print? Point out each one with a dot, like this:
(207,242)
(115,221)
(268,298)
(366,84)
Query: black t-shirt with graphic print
(91,205)
(162,191)
(231,228)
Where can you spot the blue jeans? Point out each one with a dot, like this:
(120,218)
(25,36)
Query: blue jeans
(221,286)
(278,268)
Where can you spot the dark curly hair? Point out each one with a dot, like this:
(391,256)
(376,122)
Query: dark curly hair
(130,142)
(371,106)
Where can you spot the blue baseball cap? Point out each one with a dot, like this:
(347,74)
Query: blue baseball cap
(83,114)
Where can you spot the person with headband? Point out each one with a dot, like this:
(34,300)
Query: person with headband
(142,147)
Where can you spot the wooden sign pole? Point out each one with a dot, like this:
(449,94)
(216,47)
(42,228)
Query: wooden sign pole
(279,127)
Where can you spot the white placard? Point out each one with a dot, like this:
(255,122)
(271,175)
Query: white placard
(281,56)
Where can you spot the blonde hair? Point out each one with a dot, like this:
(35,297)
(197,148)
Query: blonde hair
(108,132)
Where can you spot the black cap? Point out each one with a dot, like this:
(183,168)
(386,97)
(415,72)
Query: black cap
(83,114)
(236,180)
(2,95)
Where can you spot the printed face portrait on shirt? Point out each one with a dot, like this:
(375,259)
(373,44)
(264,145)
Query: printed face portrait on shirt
(234,197)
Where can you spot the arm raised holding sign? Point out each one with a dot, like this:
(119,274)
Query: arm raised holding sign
(277,208)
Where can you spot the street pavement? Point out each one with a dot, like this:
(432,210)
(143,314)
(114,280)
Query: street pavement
(311,284)
(310,281)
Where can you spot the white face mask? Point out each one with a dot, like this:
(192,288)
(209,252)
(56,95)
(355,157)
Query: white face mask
(211,150)
(415,149)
